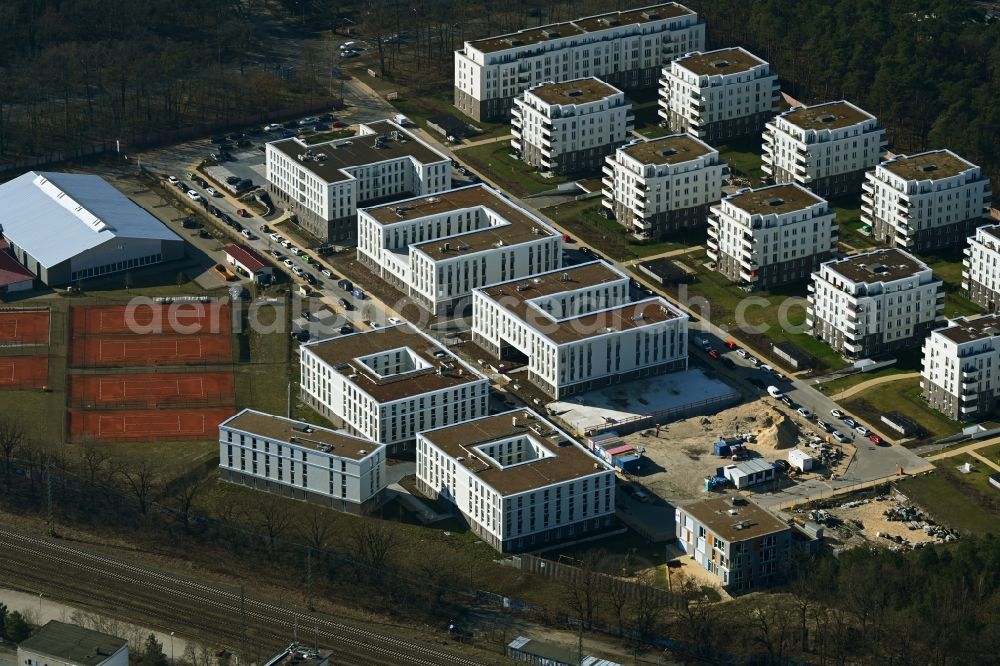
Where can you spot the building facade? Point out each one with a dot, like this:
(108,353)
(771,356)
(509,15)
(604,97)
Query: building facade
(718,95)
(770,236)
(519,481)
(625,49)
(981,267)
(62,644)
(874,303)
(656,187)
(925,201)
(826,147)
(569,127)
(387,385)
(740,543)
(576,329)
(302,461)
(438,249)
(959,377)
(324,184)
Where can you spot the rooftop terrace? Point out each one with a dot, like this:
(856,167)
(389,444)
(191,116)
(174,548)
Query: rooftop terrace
(774,200)
(931,165)
(673,149)
(832,115)
(883,265)
(722,61)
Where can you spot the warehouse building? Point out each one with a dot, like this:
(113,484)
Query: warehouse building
(577,330)
(303,461)
(626,49)
(519,481)
(389,384)
(437,249)
(65,228)
(61,644)
(327,182)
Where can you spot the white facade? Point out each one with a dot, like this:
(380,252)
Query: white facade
(874,302)
(389,384)
(923,201)
(826,147)
(981,267)
(326,182)
(295,458)
(654,186)
(577,329)
(571,126)
(961,367)
(770,236)
(438,249)
(718,95)
(625,49)
(519,480)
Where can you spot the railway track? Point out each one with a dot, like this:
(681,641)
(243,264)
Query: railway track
(66,571)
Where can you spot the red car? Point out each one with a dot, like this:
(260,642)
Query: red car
(877,440)
(242,212)
(714,354)
(338,123)
(731,344)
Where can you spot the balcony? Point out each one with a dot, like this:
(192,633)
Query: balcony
(970,375)
(865,208)
(766,158)
(713,232)
(608,170)
(868,188)
(965,285)
(968,409)
(713,252)
(515,143)
(852,348)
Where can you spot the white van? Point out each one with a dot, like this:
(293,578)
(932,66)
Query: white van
(348,46)
(774,391)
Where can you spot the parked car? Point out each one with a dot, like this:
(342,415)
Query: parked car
(275,254)
(204,234)
(788,402)
(243,212)
(849,422)
(189,223)
(276,237)
(836,413)
(309,120)
(264,229)
(804,412)
(248,234)
(294,250)
(373,324)
(272,127)
(172,180)
(774,391)
(346,328)
(213,192)
(194,196)
(288,263)
(346,304)
(392,321)
(298,271)
(841,437)
(346,285)
(309,277)
(338,123)
(824,425)
(326,272)
(358,294)
(232,180)
(743,353)
(714,354)
(781,465)
(863,430)
(732,344)
(877,440)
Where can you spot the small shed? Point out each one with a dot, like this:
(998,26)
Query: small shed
(801,460)
(749,472)
(792,356)
(14,276)
(666,272)
(250,263)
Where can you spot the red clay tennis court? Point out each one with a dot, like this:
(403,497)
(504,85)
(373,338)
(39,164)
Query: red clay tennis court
(152,389)
(24,327)
(145,350)
(184,318)
(147,424)
(18,372)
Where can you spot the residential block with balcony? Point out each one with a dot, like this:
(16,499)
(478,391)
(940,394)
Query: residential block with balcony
(624,48)
(770,236)
(981,267)
(826,147)
(874,303)
(925,201)
(718,95)
(570,127)
(961,367)
(655,187)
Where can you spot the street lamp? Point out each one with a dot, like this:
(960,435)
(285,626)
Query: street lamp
(172,647)
(40,595)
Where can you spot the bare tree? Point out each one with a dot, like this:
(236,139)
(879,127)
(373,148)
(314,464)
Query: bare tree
(648,604)
(142,480)
(617,591)
(583,590)
(12,440)
(272,515)
(772,627)
(374,543)
(319,526)
(185,497)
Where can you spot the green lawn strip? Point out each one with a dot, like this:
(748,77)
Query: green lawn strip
(948,500)
(419,107)
(991,453)
(494,161)
(906,361)
(848,210)
(948,267)
(744,159)
(654,132)
(168,459)
(904,397)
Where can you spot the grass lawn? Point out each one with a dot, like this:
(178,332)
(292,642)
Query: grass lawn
(902,396)
(991,453)
(848,210)
(906,361)
(262,379)
(494,161)
(949,499)
(948,267)
(583,220)
(172,279)
(743,158)
(169,459)
(418,107)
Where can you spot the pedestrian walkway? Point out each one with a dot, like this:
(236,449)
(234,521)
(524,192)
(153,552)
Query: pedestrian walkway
(663,255)
(858,388)
(481,142)
(972,450)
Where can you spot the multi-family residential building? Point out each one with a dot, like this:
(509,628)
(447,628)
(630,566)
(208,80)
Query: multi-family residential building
(389,384)
(626,49)
(437,249)
(519,481)
(827,147)
(924,201)
(325,183)
(576,329)
(771,235)
(718,95)
(303,461)
(981,267)
(61,644)
(654,187)
(571,126)
(874,303)
(961,367)
(740,543)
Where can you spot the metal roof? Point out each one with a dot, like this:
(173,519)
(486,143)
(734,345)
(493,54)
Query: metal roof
(56,216)
(73,644)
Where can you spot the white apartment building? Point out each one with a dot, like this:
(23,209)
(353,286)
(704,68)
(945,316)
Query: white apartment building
(303,461)
(718,95)
(771,235)
(389,384)
(961,367)
(655,187)
(925,201)
(570,127)
(981,268)
(518,480)
(827,147)
(576,329)
(626,49)
(325,183)
(874,303)
(437,249)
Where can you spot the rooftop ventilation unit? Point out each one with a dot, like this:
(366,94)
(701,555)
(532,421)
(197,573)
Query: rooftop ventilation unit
(667,152)
(513,41)
(523,287)
(574,93)
(828,118)
(720,64)
(550,34)
(610,21)
(928,168)
(564,277)
(776,201)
